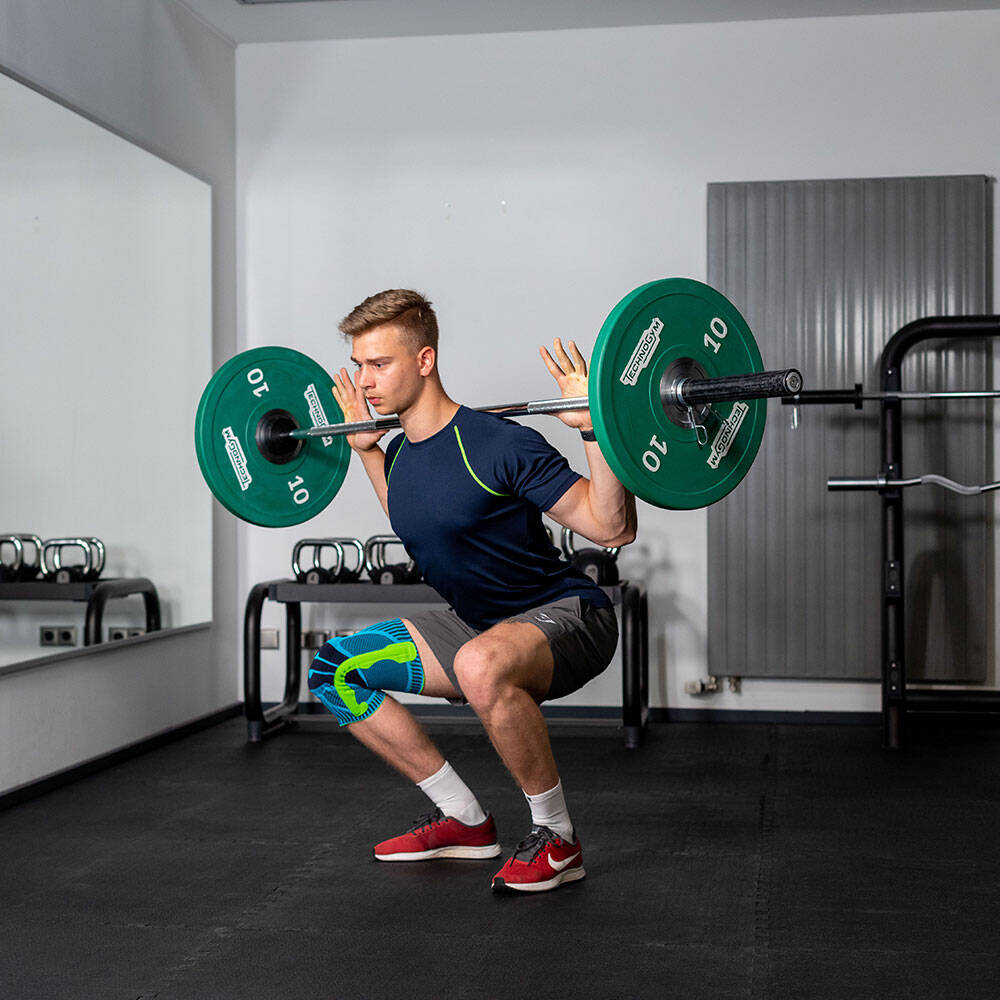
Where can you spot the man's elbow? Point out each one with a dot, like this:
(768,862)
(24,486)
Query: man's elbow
(621,533)
(626,537)
(615,528)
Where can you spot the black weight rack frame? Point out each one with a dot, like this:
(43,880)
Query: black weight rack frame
(95,593)
(899,699)
(263,722)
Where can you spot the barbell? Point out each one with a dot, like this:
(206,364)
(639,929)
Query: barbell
(858,397)
(669,357)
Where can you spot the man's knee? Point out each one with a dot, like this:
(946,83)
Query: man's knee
(483,672)
(349,673)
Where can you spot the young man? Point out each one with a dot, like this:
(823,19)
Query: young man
(465,492)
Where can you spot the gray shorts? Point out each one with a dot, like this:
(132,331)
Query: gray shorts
(582,639)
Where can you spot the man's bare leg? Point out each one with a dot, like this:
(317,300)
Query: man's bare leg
(504,673)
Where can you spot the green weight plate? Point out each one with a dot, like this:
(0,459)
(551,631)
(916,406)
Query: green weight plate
(663,328)
(282,487)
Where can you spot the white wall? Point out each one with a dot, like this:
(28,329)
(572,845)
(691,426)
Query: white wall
(527,181)
(154,73)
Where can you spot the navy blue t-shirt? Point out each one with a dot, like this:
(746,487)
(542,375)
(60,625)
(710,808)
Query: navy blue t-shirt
(467,503)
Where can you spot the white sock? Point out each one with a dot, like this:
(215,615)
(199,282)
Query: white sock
(452,796)
(549,809)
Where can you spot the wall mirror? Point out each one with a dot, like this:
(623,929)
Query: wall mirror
(105,345)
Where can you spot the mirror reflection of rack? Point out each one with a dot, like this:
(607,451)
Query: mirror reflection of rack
(105,343)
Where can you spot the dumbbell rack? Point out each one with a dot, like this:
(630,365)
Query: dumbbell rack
(96,593)
(263,722)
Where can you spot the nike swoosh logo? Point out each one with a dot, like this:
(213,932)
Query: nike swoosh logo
(558,866)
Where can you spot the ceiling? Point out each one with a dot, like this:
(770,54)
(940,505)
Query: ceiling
(304,20)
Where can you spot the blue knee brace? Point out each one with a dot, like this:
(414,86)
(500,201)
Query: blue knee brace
(349,674)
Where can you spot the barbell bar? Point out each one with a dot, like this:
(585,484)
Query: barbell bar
(668,359)
(685,395)
(857,396)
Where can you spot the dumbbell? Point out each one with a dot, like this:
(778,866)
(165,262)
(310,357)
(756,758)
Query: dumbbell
(381,572)
(10,571)
(601,565)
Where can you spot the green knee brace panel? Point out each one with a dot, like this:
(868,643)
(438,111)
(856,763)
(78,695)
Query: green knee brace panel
(349,674)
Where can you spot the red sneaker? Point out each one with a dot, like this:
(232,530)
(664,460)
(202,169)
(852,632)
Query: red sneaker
(542,861)
(440,836)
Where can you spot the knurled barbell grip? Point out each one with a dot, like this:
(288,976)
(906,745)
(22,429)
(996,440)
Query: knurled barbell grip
(761,385)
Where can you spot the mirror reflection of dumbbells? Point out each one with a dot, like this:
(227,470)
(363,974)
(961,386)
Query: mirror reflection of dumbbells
(90,569)
(25,558)
(20,558)
(11,558)
(601,565)
(341,570)
(379,571)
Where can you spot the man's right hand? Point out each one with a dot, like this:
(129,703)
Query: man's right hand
(352,402)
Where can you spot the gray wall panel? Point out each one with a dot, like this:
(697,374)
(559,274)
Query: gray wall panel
(825,272)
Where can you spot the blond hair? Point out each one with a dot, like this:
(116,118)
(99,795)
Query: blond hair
(407,309)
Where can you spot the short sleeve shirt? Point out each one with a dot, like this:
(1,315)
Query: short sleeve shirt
(467,503)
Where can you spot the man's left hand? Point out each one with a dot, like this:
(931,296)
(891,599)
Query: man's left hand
(569,369)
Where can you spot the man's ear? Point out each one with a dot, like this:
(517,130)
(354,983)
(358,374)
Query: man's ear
(426,357)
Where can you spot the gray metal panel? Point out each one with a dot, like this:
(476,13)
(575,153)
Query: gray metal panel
(825,272)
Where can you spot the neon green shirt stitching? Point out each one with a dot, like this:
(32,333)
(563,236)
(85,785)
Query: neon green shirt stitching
(465,459)
(394,458)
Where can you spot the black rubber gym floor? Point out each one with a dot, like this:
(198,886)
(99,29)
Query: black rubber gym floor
(723,861)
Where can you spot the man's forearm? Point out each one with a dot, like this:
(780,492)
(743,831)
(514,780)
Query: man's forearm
(612,505)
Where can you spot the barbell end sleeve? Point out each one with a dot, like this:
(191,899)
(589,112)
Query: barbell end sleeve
(753,385)
(793,381)
(880,483)
(841,483)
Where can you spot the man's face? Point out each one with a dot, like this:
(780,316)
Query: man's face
(387,371)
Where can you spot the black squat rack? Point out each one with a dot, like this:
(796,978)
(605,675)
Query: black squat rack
(263,722)
(898,700)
